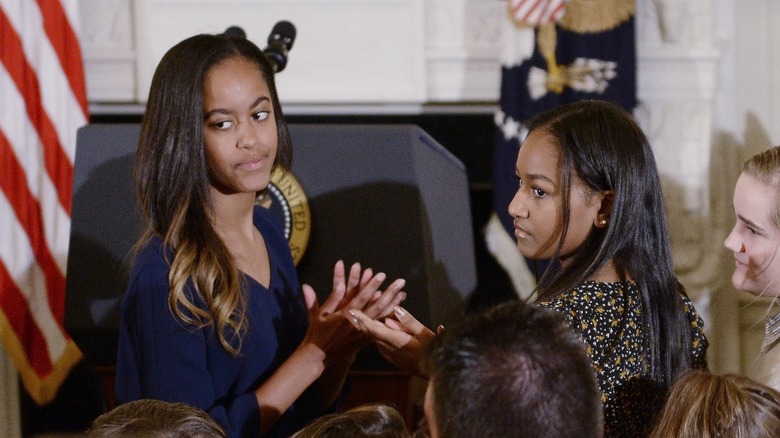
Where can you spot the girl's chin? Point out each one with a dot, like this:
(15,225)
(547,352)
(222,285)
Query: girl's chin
(524,251)
(745,285)
(531,255)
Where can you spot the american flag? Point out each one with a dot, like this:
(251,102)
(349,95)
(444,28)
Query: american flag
(42,104)
(535,12)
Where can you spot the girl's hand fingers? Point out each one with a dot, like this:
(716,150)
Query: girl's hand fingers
(338,274)
(310,298)
(387,301)
(366,292)
(331,304)
(354,280)
(379,331)
(336,296)
(366,277)
(409,322)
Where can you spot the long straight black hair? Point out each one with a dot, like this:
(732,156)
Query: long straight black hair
(603,145)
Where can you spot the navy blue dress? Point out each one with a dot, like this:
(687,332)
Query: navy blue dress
(160,358)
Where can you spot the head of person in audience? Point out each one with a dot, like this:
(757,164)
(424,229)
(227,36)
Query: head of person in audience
(755,238)
(155,419)
(373,420)
(513,370)
(705,405)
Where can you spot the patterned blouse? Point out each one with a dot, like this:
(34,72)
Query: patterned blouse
(608,317)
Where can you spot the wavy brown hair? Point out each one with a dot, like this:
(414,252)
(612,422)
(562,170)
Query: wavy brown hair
(171,176)
(372,420)
(704,405)
(155,419)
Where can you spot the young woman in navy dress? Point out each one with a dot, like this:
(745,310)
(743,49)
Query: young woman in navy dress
(213,315)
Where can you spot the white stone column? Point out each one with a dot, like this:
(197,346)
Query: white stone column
(108,51)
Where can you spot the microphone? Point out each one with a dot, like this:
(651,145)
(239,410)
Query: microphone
(280,41)
(234,32)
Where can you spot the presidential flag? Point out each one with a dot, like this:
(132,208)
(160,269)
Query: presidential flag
(554,52)
(42,104)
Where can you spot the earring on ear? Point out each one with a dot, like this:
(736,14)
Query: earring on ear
(603,222)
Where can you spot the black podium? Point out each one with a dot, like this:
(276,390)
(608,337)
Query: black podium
(388,196)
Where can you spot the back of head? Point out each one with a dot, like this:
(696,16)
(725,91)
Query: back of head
(155,419)
(765,167)
(603,146)
(704,405)
(375,420)
(514,370)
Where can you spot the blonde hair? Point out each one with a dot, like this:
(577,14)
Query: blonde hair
(155,419)
(704,405)
(765,167)
(373,420)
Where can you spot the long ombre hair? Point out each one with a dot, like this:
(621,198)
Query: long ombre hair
(604,146)
(171,176)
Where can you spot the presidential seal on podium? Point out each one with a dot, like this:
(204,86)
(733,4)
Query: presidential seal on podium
(284,196)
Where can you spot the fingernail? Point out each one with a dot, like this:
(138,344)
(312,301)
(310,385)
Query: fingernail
(400,283)
(402,295)
(381,276)
(399,311)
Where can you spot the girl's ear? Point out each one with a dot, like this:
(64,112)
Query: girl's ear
(606,200)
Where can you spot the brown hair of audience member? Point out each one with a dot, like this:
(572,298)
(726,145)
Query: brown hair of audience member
(373,420)
(155,419)
(513,370)
(705,405)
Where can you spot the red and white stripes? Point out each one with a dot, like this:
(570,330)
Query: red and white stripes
(42,104)
(536,12)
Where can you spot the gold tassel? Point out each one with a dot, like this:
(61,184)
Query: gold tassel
(547,39)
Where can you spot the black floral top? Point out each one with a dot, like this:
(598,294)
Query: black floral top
(608,317)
